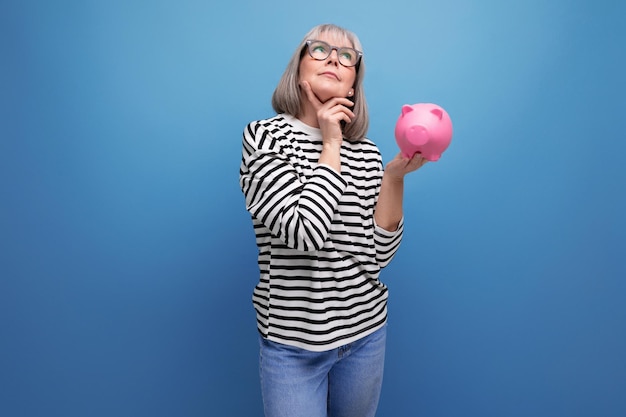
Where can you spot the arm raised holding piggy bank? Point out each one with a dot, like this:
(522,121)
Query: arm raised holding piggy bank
(423,131)
(423,128)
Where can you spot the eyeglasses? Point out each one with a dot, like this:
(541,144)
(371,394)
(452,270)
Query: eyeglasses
(320,50)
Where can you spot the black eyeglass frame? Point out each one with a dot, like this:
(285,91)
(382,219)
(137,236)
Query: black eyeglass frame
(334,48)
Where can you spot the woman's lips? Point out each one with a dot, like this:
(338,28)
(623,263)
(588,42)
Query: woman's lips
(330,74)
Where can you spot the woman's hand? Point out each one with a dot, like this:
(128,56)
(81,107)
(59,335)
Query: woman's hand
(330,115)
(399,166)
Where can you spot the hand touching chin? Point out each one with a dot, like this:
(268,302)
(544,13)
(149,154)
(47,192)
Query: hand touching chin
(324,93)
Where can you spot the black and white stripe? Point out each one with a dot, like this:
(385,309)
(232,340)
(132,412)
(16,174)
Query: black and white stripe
(320,251)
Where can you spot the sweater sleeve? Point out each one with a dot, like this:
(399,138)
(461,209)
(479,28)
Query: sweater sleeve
(297,212)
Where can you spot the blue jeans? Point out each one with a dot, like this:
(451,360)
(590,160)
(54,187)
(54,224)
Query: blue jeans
(343,382)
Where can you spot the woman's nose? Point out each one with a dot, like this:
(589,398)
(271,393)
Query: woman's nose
(333,57)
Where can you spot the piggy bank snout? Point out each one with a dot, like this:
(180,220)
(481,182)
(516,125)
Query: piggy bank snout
(417,135)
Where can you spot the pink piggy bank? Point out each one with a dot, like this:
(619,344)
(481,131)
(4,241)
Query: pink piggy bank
(423,128)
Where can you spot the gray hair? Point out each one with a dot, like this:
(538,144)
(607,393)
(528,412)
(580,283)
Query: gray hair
(287,95)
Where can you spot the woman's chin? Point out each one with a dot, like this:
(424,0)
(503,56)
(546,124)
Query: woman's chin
(325,96)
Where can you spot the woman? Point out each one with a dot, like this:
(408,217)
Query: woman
(327,219)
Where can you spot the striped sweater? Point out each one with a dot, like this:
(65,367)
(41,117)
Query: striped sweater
(320,251)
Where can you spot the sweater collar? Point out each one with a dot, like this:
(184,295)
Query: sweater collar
(301,126)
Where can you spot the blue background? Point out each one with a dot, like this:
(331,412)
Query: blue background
(128,259)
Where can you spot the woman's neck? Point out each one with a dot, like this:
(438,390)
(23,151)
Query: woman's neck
(308,115)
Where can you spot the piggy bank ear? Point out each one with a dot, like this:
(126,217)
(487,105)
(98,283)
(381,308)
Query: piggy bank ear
(438,113)
(406,108)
